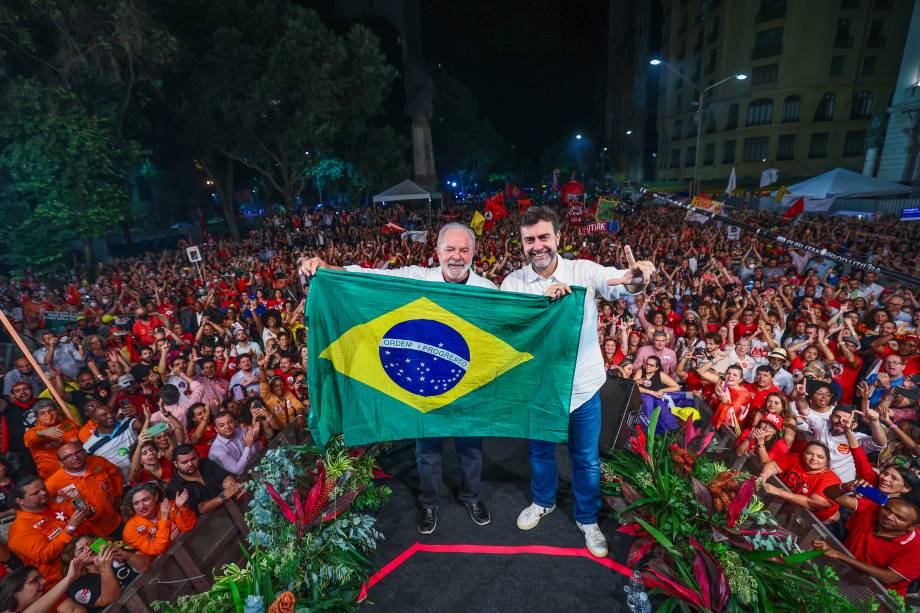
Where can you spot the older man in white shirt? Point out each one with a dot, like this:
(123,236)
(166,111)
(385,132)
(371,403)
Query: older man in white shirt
(455,248)
(550,275)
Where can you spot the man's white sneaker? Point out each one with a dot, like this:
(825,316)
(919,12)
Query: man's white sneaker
(530,517)
(594,539)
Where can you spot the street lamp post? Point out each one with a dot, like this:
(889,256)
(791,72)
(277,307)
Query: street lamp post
(603,174)
(740,76)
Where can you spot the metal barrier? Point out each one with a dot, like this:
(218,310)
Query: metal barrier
(188,566)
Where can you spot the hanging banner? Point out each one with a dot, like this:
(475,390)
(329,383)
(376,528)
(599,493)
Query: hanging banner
(733,233)
(606,207)
(705,204)
(599,227)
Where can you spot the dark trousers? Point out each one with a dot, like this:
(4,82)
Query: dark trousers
(428,458)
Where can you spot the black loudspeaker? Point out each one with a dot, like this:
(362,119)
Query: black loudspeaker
(621,405)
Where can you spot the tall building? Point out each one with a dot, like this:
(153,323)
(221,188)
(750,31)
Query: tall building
(631,90)
(900,149)
(820,75)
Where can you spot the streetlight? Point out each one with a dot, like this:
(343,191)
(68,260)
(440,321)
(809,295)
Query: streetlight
(578,136)
(628,132)
(603,174)
(740,76)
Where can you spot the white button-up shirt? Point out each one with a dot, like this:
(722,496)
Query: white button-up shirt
(589,366)
(423,274)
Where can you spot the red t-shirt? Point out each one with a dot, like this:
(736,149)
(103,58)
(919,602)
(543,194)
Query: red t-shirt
(777,450)
(847,378)
(902,554)
(742,329)
(800,482)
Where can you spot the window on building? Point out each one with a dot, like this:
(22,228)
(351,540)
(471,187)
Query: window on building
(771,9)
(849,5)
(709,154)
(791,107)
(732,122)
(862,105)
(868,66)
(675,158)
(825,110)
(854,144)
(710,122)
(765,74)
(818,146)
(785,147)
(768,42)
(711,64)
(728,152)
(678,132)
(760,112)
(876,37)
(837,65)
(884,5)
(755,149)
(713,31)
(843,37)
(691,156)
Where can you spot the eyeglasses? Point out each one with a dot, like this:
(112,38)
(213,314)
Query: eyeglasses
(73,456)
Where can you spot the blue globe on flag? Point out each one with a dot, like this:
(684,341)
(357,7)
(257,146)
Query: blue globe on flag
(424,356)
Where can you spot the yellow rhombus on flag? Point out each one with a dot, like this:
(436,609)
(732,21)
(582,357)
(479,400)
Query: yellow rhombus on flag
(360,353)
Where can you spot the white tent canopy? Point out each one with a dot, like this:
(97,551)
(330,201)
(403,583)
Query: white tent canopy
(407,190)
(842,183)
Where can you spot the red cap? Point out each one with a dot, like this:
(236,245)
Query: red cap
(774,419)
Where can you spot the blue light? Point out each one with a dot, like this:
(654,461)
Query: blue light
(578,136)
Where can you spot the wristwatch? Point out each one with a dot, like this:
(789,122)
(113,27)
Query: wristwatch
(223,497)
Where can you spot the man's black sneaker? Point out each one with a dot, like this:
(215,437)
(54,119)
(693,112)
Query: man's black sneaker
(478,512)
(428,520)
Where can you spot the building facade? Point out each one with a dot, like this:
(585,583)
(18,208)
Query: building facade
(820,77)
(897,156)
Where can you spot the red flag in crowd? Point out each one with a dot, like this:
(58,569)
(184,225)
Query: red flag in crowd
(524,204)
(797,208)
(392,228)
(495,210)
(512,191)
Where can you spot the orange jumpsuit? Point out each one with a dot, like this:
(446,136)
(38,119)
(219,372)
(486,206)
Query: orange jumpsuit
(44,449)
(100,486)
(87,430)
(153,539)
(39,538)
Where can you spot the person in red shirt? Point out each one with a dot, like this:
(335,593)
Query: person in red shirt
(884,542)
(748,324)
(806,475)
(144,324)
(849,364)
(761,388)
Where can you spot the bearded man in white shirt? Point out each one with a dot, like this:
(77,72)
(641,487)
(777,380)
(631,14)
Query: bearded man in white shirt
(550,275)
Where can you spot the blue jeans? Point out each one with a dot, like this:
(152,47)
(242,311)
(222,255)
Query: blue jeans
(584,431)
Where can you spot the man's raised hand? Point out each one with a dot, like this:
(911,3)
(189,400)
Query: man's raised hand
(309,266)
(638,274)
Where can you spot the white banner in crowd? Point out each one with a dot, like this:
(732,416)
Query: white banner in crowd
(812,205)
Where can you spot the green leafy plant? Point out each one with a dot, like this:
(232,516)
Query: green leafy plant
(307,534)
(704,539)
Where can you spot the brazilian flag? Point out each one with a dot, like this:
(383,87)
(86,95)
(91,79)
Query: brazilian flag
(392,358)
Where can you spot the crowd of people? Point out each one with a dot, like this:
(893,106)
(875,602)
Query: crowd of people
(175,377)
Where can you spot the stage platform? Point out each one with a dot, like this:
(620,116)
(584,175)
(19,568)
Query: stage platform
(465,567)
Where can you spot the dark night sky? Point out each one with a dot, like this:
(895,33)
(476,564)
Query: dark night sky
(532,64)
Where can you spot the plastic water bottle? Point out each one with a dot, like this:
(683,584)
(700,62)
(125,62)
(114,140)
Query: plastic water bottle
(633,590)
(644,605)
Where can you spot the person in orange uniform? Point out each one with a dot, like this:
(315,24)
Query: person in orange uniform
(41,530)
(52,431)
(155,520)
(94,481)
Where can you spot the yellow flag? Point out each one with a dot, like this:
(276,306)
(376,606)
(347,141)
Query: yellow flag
(465,363)
(780,193)
(476,223)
